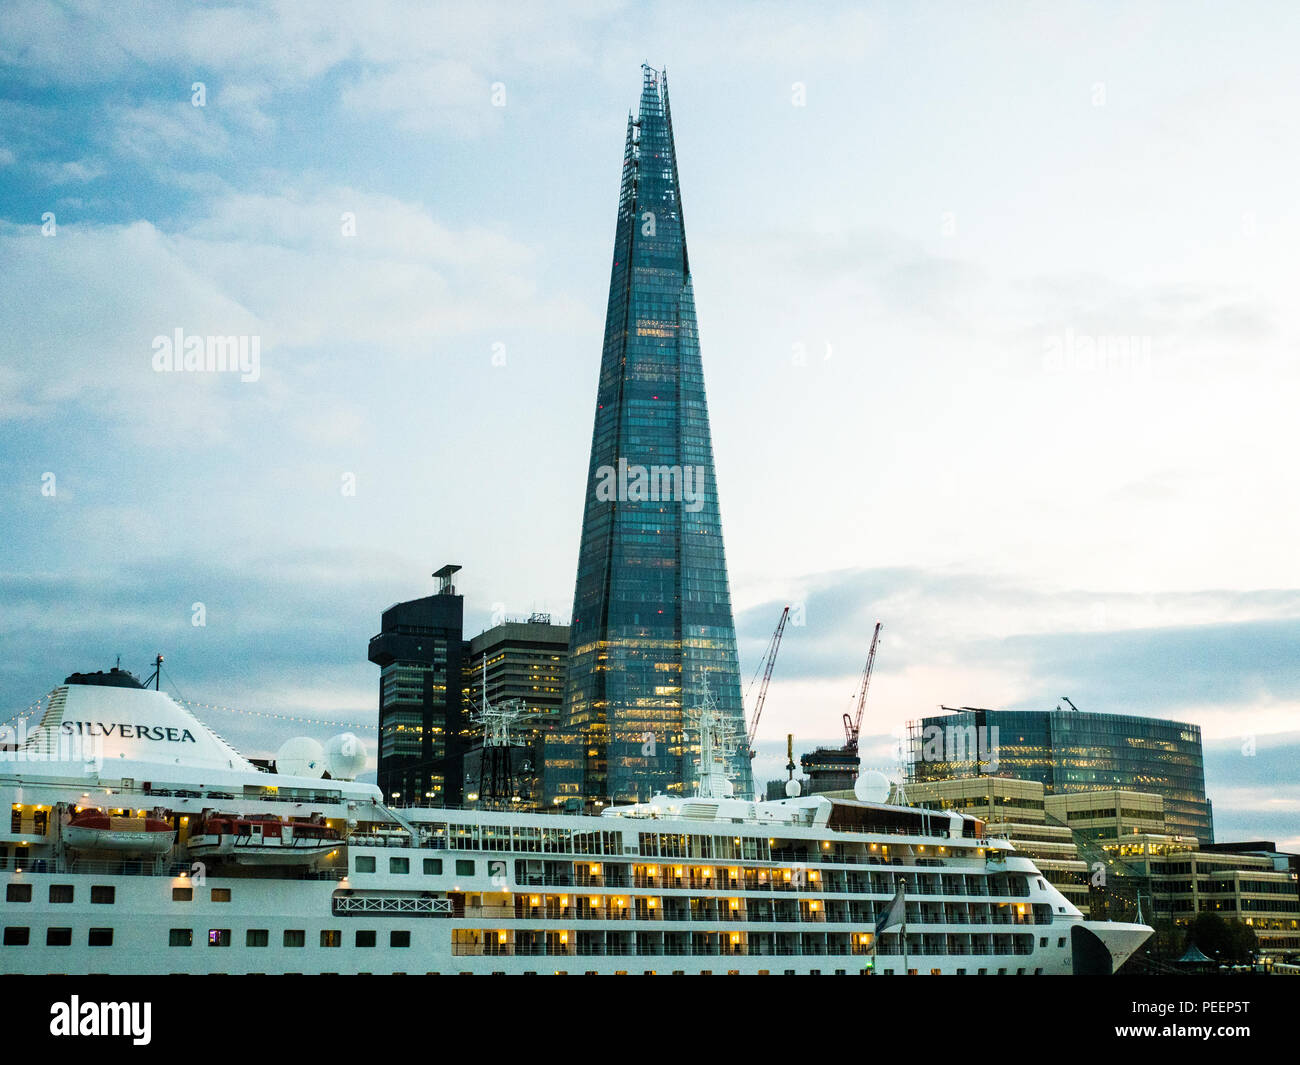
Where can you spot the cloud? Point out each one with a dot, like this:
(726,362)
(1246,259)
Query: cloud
(448,95)
(79,171)
(1227,660)
(244,656)
(277,266)
(168,135)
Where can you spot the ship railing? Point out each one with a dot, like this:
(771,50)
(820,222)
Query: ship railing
(351,905)
(122,867)
(331,797)
(675,950)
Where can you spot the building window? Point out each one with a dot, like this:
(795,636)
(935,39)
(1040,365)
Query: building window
(221,894)
(182,894)
(17,937)
(218,937)
(181,937)
(433,867)
(331,937)
(464,867)
(365,863)
(365,938)
(257,937)
(399,939)
(103,893)
(61,893)
(100,937)
(58,937)
(295,937)
(18,893)
(399,865)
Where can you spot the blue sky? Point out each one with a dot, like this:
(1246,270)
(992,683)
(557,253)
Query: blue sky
(912,229)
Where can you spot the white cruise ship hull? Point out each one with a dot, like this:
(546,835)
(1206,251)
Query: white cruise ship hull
(669,886)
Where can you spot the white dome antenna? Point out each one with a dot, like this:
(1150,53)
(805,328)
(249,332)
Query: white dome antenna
(345,756)
(871,786)
(301,756)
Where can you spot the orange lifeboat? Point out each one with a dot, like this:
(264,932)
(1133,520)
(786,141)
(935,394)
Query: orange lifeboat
(96,831)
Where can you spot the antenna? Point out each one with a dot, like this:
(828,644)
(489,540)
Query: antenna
(718,742)
(157,671)
(498,720)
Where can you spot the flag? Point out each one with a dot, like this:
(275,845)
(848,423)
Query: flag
(894,914)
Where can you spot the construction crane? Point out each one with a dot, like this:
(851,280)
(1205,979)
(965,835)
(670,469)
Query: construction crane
(853,725)
(773,646)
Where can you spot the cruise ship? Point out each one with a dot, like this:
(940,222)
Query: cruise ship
(141,842)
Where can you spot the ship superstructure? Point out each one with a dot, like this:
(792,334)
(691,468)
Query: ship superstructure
(272,873)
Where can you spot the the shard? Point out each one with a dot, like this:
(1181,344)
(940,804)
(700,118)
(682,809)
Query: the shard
(652,623)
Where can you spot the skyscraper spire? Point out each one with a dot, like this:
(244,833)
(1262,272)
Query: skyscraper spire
(652,606)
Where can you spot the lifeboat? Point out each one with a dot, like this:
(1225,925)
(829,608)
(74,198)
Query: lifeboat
(95,831)
(261,840)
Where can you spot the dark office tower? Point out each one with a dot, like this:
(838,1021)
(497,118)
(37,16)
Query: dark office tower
(423,732)
(651,607)
(523,662)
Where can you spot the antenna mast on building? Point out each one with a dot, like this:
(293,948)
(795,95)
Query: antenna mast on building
(496,783)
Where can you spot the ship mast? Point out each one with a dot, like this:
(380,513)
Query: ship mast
(718,743)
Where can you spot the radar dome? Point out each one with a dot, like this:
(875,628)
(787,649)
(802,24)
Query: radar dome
(792,788)
(300,757)
(345,756)
(871,786)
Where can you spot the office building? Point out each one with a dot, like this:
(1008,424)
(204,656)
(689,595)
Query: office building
(652,625)
(1069,752)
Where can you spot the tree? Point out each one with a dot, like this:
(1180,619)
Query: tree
(1231,942)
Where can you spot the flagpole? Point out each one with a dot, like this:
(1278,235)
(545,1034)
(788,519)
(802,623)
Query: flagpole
(903,881)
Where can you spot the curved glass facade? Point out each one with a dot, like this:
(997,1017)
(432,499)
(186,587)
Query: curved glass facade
(1072,751)
(652,620)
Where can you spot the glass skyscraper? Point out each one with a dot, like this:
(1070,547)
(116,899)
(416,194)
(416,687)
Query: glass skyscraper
(652,621)
(1072,751)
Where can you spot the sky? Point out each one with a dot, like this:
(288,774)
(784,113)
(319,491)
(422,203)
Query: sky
(995,306)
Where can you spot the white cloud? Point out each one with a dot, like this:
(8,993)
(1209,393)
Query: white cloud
(92,298)
(168,134)
(444,94)
(78,171)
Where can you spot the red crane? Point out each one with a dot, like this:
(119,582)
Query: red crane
(852,725)
(773,645)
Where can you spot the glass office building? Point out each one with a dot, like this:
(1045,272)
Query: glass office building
(652,621)
(1072,751)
